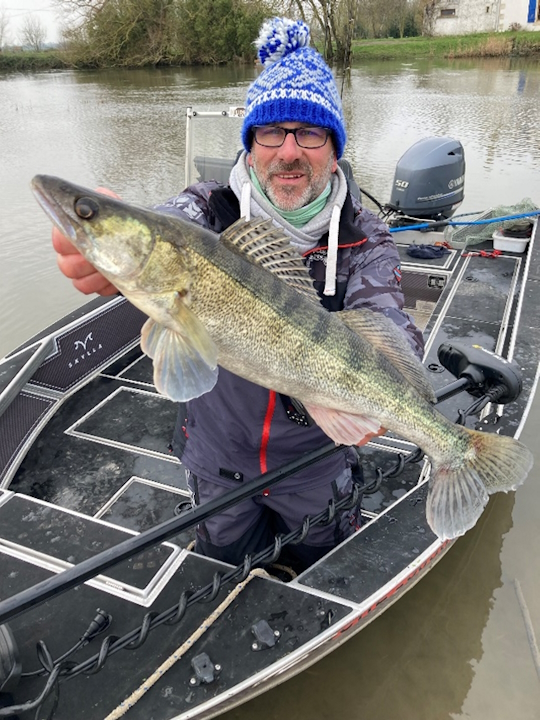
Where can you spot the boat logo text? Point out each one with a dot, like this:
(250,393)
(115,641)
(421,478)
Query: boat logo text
(83,343)
(86,347)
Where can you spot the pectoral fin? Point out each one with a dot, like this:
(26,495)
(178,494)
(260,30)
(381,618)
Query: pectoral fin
(345,428)
(185,365)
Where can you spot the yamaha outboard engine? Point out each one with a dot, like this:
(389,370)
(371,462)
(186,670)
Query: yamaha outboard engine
(429,180)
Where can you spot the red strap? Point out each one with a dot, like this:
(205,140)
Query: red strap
(357,243)
(266,429)
(483,253)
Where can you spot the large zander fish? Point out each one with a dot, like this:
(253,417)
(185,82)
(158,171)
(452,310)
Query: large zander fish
(245,301)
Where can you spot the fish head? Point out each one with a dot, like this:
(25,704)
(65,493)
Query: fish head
(114,237)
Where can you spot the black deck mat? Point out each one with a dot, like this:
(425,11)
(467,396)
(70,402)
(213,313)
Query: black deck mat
(16,424)
(85,347)
(373,557)
(139,420)
(142,506)
(81,475)
(141,371)
(40,528)
(296,615)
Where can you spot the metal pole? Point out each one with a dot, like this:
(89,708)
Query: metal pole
(189,147)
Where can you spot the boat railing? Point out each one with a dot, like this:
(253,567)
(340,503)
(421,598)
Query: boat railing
(42,350)
(214,168)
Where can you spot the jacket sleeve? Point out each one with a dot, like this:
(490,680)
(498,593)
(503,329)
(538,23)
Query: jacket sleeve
(375,278)
(192,204)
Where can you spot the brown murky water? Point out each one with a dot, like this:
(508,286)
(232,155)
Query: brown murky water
(456,646)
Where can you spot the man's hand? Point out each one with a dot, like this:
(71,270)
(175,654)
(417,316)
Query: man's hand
(74,266)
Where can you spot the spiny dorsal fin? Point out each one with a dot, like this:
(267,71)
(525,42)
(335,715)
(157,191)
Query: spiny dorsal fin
(387,338)
(260,242)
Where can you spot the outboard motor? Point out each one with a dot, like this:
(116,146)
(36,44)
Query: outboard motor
(429,180)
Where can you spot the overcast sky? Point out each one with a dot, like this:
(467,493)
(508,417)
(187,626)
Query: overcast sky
(45,10)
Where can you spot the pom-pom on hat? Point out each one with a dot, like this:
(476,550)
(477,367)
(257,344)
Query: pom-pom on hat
(296,85)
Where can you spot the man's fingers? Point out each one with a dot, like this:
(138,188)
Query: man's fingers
(106,191)
(84,276)
(94,283)
(74,266)
(61,243)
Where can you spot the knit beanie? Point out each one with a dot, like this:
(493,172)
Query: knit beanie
(296,85)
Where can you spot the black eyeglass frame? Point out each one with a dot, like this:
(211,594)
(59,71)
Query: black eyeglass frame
(288,131)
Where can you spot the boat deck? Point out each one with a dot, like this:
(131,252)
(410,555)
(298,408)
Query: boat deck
(85,463)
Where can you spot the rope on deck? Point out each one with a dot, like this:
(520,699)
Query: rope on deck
(124,706)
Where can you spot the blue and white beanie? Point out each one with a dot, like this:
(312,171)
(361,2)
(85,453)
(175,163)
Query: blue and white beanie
(296,85)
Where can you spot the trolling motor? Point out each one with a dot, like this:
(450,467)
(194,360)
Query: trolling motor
(481,372)
(10,664)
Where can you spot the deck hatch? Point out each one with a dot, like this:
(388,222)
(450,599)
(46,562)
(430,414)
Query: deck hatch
(55,539)
(141,504)
(372,557)
(132,419)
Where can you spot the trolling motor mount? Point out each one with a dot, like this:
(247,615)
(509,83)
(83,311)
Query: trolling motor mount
(484,370)
(10,664)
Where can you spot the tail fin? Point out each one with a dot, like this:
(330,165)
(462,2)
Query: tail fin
(459,492)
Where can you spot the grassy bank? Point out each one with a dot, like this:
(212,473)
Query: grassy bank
(23,61)
(507,44)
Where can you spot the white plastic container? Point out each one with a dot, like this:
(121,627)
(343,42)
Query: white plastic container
(510,244)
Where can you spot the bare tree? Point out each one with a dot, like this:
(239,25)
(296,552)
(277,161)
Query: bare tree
(431,9)
(331,22)
(4,23)
(33,32)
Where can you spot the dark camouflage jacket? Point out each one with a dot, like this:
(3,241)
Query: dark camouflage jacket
(239,430)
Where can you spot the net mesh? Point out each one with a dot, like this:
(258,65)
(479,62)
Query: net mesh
(471,234)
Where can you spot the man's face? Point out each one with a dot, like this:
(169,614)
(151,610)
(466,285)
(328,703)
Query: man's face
(291,176)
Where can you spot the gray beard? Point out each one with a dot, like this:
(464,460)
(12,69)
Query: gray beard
(259,205)
(312,191)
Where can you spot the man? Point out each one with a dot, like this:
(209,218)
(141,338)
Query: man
(293,135)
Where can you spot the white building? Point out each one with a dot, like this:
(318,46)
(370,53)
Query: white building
(459,17)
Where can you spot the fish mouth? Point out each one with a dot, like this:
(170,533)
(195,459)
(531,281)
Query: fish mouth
(54,210)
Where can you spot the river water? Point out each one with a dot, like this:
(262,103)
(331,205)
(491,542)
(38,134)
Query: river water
(456,646)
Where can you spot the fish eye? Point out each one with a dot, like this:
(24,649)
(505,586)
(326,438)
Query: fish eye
(86,208)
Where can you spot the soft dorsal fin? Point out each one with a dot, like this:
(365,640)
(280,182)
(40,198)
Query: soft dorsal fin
(260,242)
(386,337)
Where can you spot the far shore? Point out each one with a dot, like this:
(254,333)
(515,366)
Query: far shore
(478,45)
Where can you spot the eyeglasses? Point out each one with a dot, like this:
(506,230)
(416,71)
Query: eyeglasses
(273,136)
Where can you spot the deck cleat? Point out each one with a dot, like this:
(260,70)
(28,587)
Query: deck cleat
(205,670)
(265,637)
